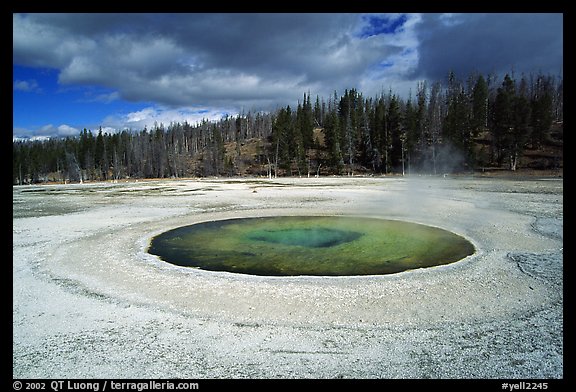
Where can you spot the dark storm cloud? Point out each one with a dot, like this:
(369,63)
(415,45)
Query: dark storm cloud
(489,43)
(264,61)
(182,59)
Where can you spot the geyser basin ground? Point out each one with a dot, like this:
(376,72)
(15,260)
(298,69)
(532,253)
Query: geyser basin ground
(90,302)
(310,245)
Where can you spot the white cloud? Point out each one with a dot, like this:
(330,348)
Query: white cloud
(44,132)
(451,19)
(26,86)
(67,130)
(106,97)
(151,116)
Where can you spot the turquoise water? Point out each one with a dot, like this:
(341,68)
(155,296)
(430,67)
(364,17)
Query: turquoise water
(314,237)
(288,246)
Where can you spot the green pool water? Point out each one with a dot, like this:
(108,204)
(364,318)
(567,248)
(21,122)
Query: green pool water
(309,245)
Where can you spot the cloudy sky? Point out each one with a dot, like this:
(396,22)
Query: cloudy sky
(117,71)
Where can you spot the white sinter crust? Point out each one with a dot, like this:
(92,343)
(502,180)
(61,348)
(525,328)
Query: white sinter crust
(90,302)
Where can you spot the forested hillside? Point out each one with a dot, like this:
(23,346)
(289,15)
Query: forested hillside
(456,126)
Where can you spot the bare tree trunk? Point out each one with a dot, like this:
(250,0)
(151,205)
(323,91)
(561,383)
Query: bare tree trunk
(276,162)
(513,161)
(269,168)
(402,148)
(434,158)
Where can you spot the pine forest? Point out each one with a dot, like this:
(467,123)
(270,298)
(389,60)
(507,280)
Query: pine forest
(454,126)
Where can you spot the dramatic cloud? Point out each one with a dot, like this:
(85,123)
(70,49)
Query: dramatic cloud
(214,59)
(235,62)
(485,43)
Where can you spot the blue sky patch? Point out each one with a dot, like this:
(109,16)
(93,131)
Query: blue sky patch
(39,100)
(379,24)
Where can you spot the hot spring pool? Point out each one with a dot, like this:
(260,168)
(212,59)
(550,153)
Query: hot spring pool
(309,245)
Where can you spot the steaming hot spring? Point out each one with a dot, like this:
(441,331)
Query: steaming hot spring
(309,245)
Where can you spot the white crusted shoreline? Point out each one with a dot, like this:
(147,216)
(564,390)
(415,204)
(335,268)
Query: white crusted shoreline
(89,302)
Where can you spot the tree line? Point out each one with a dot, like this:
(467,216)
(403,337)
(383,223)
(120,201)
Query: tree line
(452,126)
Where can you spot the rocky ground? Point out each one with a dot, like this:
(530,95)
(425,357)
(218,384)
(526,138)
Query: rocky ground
(89,302)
